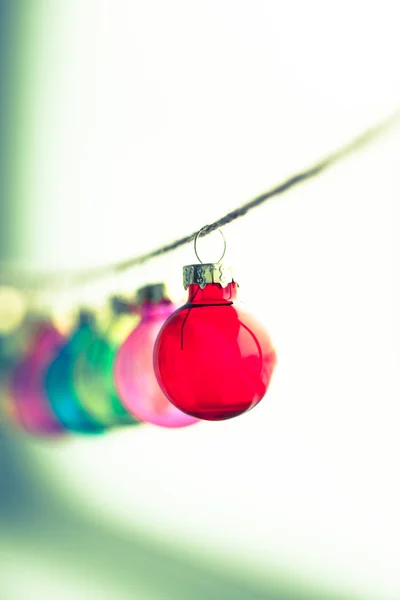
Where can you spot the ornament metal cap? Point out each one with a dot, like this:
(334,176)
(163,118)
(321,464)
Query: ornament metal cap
(86,316)
(154,292)
(206,273)
(120,305)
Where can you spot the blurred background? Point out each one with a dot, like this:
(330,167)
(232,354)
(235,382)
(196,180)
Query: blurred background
(126,124)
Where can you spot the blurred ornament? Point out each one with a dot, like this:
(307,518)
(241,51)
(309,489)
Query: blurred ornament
(94,370)
(12,346)
(28,402)
(134,374)
(211,359)
(9,417)
(59,379)
(15,332)
(10,355)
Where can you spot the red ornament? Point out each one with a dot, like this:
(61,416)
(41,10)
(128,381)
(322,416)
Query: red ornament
(211,359)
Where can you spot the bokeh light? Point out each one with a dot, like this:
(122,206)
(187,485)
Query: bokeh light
(12,309)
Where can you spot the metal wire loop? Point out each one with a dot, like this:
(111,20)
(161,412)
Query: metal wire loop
(197,237)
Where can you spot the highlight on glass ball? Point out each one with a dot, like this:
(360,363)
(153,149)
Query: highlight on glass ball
(134,374)
(212,359)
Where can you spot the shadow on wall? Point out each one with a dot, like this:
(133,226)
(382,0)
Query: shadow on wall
(40,526)
(32,517)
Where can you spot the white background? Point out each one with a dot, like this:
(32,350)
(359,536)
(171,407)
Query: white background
(152,119)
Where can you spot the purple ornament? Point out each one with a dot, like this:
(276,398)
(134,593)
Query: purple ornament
(31,406)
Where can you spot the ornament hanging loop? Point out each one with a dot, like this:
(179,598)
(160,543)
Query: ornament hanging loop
(197,237)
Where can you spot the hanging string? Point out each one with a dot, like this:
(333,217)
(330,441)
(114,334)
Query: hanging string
(68,279)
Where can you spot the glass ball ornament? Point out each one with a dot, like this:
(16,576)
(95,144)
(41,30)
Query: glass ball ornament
(134,375)
(59,380)
(13,346)
(29,404)
(212,359)
(94,371)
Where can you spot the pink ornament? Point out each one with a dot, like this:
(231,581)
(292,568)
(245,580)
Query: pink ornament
(134,374)
(212,359)
(31,406)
